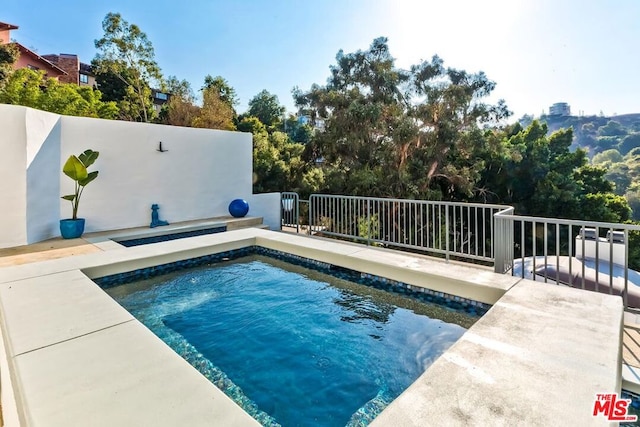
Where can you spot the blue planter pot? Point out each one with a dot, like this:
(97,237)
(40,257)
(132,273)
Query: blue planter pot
(238,208)
(71,228)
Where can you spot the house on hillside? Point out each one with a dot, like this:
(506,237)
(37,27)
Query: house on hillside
(159,99)
(78,72)
(28,58)
(66,68)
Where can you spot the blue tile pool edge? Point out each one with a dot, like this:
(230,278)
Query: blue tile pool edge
(170,236)
(422,294)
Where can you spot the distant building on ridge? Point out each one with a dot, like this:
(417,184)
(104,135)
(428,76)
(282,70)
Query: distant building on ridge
(560,109)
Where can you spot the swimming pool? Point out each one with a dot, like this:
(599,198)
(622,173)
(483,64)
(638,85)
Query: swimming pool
(292,345)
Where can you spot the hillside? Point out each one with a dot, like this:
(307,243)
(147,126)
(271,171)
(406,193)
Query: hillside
(612,142)
(597,133)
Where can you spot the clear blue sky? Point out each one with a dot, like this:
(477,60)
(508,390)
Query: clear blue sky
(586,53)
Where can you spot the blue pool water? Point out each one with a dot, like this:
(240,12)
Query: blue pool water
(291,345)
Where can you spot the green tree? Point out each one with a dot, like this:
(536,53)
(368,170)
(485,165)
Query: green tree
(450,142)
(179,88)
(362,108)
(629,143)
(278,163)
(620,175)
(32,89)
(252,125)
(606,207)
(114,87)
(266,108)
(633,198)
(180,109)
(126,52)
(297,131)
(226,92)
(215,113)
(612,128)
(8,56)
(607,157)
(179,112)
(392,132)
(604,143)
(541,176)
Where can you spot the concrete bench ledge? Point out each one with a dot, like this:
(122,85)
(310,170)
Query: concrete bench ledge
(537,358)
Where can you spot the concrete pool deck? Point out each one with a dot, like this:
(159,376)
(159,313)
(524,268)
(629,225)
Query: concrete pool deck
(75,357)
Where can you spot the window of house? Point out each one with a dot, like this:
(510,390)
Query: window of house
(32,67)
(162,96)
(84,79)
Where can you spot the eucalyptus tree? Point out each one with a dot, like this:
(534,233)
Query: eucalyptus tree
(125,52)
(451,112)
(361,110)
(394,132)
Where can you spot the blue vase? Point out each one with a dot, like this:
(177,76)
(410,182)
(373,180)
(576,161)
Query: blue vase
(71,228)
(238,208)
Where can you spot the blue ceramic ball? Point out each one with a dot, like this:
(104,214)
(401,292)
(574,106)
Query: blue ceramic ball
(238,208)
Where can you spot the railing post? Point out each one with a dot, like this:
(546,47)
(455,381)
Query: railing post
(446,227)
(502,245)
(297,213)
(368,222)
(311,198)
(498,263)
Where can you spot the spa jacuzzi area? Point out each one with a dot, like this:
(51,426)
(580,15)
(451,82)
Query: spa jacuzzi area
(533,354)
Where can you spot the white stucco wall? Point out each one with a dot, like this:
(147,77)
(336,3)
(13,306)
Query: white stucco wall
(197,177)
(266,205)
(13,178)
(199,174)
(43,171)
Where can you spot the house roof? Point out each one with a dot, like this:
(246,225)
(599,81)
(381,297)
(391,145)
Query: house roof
(40,58)
(6,26)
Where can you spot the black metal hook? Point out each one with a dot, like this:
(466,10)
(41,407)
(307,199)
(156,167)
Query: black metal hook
(160,148)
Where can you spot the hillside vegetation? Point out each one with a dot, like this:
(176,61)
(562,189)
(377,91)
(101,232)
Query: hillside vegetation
(612,143)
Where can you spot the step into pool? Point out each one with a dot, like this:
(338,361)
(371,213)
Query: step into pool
(171,235)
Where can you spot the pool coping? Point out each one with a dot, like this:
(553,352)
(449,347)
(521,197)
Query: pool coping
(58,326)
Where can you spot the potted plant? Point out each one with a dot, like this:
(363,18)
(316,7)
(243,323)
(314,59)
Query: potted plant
(76,169)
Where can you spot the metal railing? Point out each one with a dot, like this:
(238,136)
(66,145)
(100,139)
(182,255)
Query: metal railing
(462,230)
(583,254)
(289,210)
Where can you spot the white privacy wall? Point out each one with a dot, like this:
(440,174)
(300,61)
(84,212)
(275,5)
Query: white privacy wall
(268,206)
(13,177)
(199,174)
(197,177)
(43,174)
